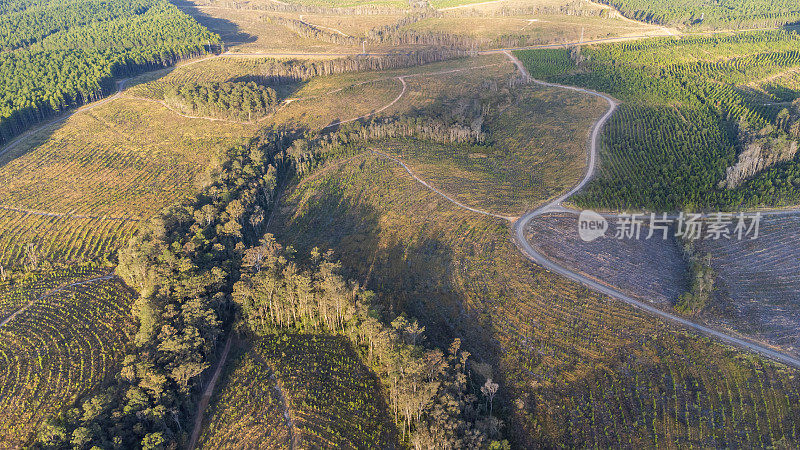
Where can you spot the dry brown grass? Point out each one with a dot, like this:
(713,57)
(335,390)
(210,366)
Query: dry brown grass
(124,159)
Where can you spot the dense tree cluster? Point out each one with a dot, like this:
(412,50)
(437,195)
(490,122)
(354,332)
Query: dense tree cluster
(701,284)
(716,14)
(353,137)
(231,100)
(184,265)
(427,389)
(74,55)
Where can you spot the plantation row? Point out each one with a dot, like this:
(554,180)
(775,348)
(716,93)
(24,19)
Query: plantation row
(783,89)
(61,348)
(664,52)
(662,157)
(78,60)
(687,97)
(333,399)
(17,289)
(59,238)
(715,15)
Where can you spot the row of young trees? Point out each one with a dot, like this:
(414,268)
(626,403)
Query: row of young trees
(701,284)
(235,101)
(275,71)
(427,388)
(78,64)
(728,14)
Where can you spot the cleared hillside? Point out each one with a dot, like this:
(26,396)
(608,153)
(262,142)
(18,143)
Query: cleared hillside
(618,376)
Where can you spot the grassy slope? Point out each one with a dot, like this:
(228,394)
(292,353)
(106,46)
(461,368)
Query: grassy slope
(574,367)
(125,159)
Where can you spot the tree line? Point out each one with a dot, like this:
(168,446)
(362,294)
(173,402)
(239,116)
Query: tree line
(275,71)
(183,264)
(230,100)
(308,154)
(428,392)
(78,64)
(310,31)
(360,10)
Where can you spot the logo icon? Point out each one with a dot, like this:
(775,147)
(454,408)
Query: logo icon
(591,226)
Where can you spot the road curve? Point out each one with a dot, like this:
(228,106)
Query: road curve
(518,230)
(518,226)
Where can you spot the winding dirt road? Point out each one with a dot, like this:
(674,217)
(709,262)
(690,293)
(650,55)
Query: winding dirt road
(518,226)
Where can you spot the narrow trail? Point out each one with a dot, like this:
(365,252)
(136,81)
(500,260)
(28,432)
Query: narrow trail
(294,436)
(383,108)
(53,292)
(437,191)
(201,407)
(401,79)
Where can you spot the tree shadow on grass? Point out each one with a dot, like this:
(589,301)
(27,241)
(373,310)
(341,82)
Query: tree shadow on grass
(229,31)
(410,274)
